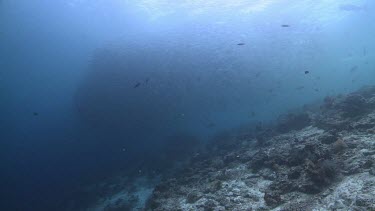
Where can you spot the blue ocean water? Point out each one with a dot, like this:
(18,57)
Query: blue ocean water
(93,88)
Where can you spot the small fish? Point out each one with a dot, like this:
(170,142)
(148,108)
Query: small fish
(241,43)
(253,114)
(137,85)
(307,72)
(257,74)
(285,25)
(211,125)
(35,113)
(354,68)
(317,90)
(146,81)
(300,87)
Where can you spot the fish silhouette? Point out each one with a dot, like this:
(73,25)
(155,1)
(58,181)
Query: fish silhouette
(137,85)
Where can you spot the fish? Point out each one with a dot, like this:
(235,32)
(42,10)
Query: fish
(146,81)
(350,7)
(211,125)
(300,87)
(137,85)
(307,72)
(241,43)
(354,68)
(257,74)
(35,113)
(285,25)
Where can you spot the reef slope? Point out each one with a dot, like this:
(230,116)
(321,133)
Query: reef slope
(319,159)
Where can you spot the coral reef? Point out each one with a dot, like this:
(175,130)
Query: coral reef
(315,160)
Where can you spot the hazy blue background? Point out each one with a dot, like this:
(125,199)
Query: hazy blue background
(200,81)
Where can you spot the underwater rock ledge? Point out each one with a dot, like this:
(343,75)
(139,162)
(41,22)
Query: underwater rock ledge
(320,159)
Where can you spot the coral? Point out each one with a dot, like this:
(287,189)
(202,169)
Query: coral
(353,193)
(328,138)
(339,146)
(272,198)
(293,122)
(339,113)
(353,105)
(258,160)
(193,197)
(365,123)
(322,173)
